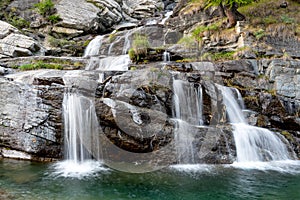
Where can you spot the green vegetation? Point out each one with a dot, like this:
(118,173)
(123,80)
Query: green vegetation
(140,46)
(229,3)
(40,65)
(287,135)
(229,9)
(269,20)
(86,43)
(198,32)
(54,18)
(14,19)
(188,42)
(287,20)
(259,34)
(112,36)
(272,92)
(264,19)
(132,68)
(221,56)
(266,12)
(47,10)
(194,40)
(131,54)
(3,5)
(18,22)
(44,7)
(59,42)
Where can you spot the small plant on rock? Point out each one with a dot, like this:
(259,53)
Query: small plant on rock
(45,7)
(18,22)
(140,46)
(54,18)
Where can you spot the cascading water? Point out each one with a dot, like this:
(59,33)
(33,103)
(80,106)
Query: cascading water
(93,47)
(166,57)
(167,16)
(188,113)
(188,102)
(80,137)
(253,144)
(81,127)
(110,63)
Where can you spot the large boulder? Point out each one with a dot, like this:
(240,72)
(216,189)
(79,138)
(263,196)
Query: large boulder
(31,116)
(6,29)
(142,9)
(91,16)
(285,75)
(15,44)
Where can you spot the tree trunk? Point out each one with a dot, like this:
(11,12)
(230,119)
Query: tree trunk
(233,15)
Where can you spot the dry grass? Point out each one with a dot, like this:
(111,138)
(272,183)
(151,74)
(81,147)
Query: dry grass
(194,6)
(265,12)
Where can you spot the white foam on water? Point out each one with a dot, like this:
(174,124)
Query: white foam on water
(190,168)
(284,166)
(72,169)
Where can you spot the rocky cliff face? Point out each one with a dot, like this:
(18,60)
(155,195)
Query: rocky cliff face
(135,109)
(71,25)
(31,117)
(14,44)
(141,100)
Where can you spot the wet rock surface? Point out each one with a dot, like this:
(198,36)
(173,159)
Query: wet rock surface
(31,118)
(135,109)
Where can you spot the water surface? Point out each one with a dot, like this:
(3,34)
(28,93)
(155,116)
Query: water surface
(29,180)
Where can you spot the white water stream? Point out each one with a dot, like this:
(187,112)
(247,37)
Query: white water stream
(253,144)
(93,47)
(80,137)
(188,113)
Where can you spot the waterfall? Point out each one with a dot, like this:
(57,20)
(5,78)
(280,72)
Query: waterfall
(240,99)
(188,113)
(252,143)
(110,63)
(94,46)
(166,57)
(234,112)
(188,102)
(167,16)
(184,142)
(81,128)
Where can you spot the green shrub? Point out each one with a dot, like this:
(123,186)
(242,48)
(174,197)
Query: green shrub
(131,54)
(18,22)
(44,7)
(54,18)
(140,44)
